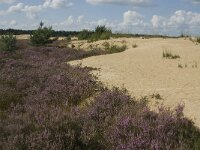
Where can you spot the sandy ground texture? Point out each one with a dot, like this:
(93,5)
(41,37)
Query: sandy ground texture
(143,71)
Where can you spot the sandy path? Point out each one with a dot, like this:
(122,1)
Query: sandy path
(143,71)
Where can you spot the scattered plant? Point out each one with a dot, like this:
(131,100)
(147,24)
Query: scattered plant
(198,39)
(7,42)
(106,45)
(134,46)
(68,38)
(180,66)
(156,96)
(117,49)
(169,55)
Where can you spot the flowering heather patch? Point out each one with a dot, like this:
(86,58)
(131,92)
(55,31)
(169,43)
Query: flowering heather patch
(40,97)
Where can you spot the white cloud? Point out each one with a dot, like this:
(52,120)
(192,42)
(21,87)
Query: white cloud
(80,19)
(158,21)
(16,8)
(180,21)
(133,18)
(180,18)
(57,3)
(31,11)
(121,2)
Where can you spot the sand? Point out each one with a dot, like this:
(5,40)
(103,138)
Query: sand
(143,71)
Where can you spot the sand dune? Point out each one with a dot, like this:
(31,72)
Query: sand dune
(143,71)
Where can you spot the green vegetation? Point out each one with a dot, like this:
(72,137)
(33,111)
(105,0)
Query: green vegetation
(7,42)
(134,45)
(156,96)
(84,35)
(42,35)
(100,33)
(114,48)
(117,49)
(198,39)
(169,55)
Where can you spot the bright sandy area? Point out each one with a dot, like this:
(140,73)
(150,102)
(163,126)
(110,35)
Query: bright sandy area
(143,71)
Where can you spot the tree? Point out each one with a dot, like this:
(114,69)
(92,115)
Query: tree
(42,35)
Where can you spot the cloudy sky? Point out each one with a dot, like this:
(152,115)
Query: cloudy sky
(170,17)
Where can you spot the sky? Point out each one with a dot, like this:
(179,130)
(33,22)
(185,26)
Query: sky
(166,17)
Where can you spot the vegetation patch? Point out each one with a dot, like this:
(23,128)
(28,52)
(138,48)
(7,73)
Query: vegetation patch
(156,96)
(100,33)
(114,48)
(134,46)
(198,39)
(42,35)
(7,42)
(169,55)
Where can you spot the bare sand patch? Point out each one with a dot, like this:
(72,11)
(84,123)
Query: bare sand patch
(143,71)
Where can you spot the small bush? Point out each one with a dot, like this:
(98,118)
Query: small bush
(156,96)
(7,42)
(198,39)
(169,55)
(106,45)
(134,45)
(68,38)
(180,66)
(117,49)
(42,35)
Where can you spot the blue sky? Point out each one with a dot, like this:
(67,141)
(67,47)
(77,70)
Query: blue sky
(169,17)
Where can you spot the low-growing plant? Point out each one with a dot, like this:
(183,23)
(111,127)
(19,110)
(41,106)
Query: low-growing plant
(134,45)
(42,35)
(180,66)
(117,49)
(169,55)
(198,39)
(68,38)
(8,42)
(106,45)
(156,96)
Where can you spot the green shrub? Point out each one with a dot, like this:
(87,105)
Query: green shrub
(134,45)
(169,55)
(117,49)
(106,45)
(42,35)
(198,39)
(101,33)
(7,42)
(84,35)
(68,38)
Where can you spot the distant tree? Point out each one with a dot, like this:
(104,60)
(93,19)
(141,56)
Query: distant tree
(84,34)
(42,35)
(101,29)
